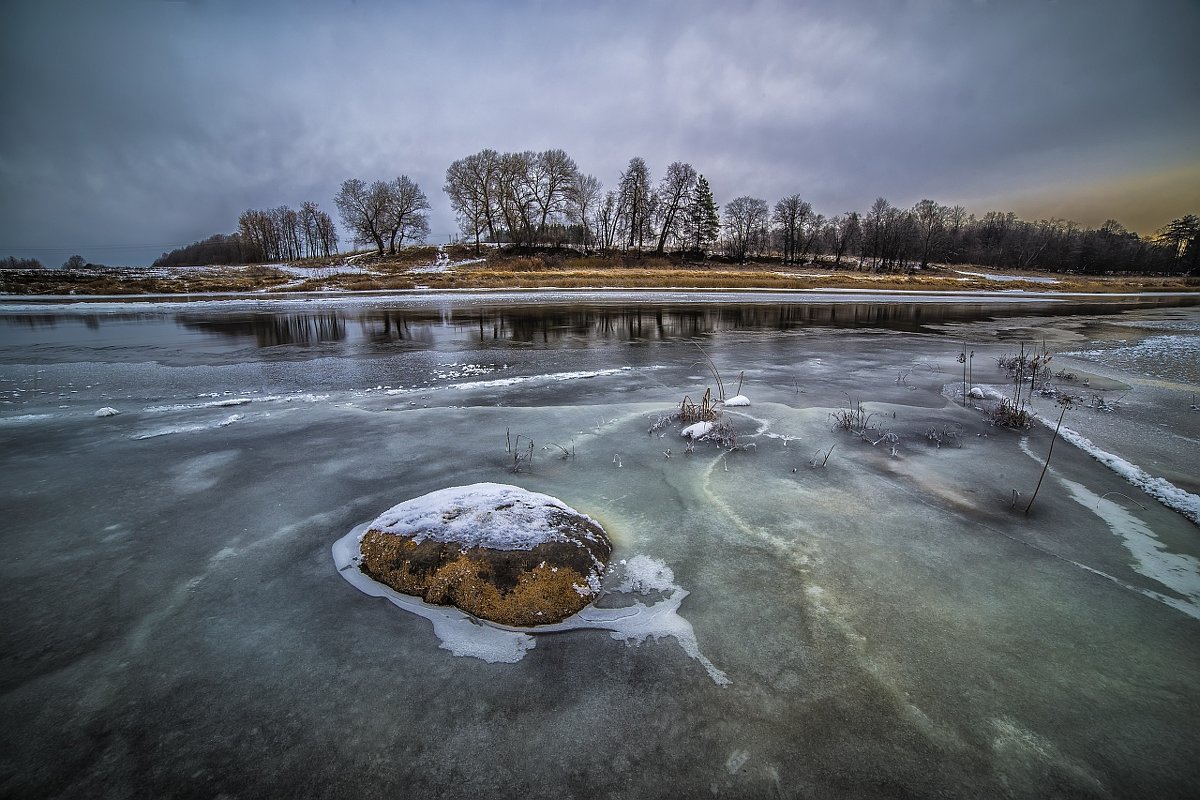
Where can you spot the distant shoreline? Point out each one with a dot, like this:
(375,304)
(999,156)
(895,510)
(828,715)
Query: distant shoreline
(457,269)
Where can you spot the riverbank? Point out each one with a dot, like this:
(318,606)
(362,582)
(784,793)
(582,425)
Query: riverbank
(457,268)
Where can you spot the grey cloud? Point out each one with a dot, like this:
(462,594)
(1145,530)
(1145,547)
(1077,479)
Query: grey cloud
(151,123)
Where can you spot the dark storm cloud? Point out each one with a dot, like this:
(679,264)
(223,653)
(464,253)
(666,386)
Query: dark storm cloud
(156,123)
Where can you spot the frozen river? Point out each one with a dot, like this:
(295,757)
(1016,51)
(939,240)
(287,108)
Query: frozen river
(886,624)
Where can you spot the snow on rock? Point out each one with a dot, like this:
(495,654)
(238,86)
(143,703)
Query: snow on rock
(737,401)
(697,431)
(107,411)
(498,552)
(976,393)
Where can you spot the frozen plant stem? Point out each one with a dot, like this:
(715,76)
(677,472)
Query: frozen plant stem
(1066,403)
(962,359)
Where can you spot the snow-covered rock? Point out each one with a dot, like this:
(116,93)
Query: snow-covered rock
(976,393)
(107,412)
(737,400)
(697,431)
(495,551)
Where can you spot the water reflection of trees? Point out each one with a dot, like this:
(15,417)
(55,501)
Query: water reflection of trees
(397,326)
(545,324)
(599,322)
(269,330)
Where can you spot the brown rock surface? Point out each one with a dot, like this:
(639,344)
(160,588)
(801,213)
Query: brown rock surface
(494,551)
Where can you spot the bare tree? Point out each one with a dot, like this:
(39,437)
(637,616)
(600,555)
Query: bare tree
(930,219)
(471,184)
(606,220)
(363,211)
(745,225)
(842,233)
(515,195)
(673,193)
(790,217)
(584,196)
(402,218)
(327,234)
(634,201)
(552,173)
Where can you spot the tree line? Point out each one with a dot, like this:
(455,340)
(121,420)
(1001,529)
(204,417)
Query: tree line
(534,199)
(887,238)
(383,215)
(538,199)
(277,234)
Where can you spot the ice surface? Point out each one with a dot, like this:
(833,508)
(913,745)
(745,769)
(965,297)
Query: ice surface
(888,624)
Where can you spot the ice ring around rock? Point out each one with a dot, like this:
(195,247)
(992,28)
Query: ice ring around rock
(466,635)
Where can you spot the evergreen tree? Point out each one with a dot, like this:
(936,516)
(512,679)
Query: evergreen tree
(703,223)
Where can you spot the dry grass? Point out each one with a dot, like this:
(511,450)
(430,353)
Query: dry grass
(549,270)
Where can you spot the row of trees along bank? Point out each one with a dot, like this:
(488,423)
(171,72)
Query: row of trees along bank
(542,199)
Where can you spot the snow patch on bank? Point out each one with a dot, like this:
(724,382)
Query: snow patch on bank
(464,635)
(992,276)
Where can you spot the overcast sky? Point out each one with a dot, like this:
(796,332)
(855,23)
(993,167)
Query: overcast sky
(133,127)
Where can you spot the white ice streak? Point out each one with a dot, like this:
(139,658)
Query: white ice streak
(168,431)
(1160,489)
(464,635)
(1178,572)
(519,379)
(21,418)
(229,402)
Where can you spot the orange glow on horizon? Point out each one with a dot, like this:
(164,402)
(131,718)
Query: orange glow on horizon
(1142,202)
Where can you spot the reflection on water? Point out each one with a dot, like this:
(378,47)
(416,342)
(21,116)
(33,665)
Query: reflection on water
(269,330)
(382,326)
(546,323)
